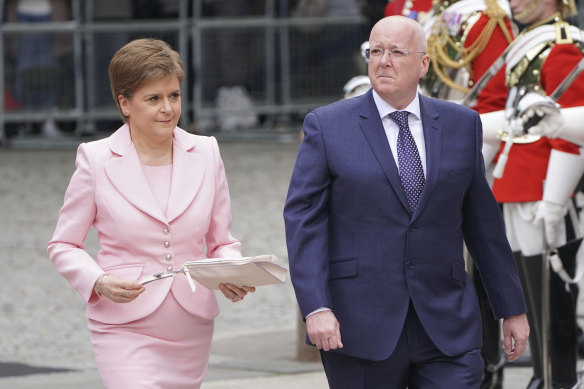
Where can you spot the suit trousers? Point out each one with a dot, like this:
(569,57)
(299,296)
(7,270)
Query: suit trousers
(416,363)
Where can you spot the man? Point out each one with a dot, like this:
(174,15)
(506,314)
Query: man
(378,266)
(465,38)
(537,175)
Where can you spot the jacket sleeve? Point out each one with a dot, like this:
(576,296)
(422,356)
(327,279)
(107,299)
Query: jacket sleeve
(66,248)
(306,220)
(486,240)
(220,243)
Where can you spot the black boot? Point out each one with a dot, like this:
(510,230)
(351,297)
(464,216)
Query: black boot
(530,275)
(492,380)
(492,350)
(535,383)
(580,343)
(563,326)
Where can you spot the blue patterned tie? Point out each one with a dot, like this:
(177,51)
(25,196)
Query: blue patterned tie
(410,165)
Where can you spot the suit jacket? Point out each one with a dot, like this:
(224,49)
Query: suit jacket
(110,192)
(355,247)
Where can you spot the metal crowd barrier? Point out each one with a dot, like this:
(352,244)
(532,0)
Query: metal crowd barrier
(284,66)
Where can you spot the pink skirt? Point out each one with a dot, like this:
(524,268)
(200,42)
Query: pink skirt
(168,349)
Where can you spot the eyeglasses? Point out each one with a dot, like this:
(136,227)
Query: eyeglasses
(393,53)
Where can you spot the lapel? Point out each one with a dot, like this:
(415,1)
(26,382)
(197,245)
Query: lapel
(126,175)
(375,134)
(433,140)
(188,171)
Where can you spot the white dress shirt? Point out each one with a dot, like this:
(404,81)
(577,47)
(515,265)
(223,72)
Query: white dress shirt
(391,128)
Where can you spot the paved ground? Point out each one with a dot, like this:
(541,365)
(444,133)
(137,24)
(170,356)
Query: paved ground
(42,324)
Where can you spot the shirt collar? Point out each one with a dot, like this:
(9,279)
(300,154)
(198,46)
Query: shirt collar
(385,109)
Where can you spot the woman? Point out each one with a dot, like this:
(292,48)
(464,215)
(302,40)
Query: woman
(158,197)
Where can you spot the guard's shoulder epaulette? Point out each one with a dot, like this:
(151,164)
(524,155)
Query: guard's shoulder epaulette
(531,48)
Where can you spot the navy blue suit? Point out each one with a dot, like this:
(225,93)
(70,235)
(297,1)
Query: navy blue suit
(355,247)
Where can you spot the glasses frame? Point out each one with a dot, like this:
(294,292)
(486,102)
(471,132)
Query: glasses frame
(401,53)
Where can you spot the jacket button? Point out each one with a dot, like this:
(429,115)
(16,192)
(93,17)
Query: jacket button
(165,231)
(409,265)
(166,244)
(169,268)
(168,257)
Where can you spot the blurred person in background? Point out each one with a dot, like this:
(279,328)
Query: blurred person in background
(413,9)
(36,63)
(373,11)
(324,56)
(157,197)
(538,167)
(231,83)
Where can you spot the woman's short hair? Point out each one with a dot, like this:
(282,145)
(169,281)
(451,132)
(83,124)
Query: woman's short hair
(140,61)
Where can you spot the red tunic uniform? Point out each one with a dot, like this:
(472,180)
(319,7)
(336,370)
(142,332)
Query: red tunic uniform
(527,164)
(484,32)
(494,94)
(413,9)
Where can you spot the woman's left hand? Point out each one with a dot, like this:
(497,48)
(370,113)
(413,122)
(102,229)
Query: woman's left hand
(234,293)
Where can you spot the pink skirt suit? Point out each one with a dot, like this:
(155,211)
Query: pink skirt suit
(149,219)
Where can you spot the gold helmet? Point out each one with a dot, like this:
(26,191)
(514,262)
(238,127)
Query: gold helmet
(568,8)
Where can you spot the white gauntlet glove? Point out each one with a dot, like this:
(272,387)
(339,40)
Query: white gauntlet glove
(568,125)
(542,110)
(493,122)
(552,216)
(551,123)
(563,174)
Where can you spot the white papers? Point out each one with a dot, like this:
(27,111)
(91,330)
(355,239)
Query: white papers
(246,271)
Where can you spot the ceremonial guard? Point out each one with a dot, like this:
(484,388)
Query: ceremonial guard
(465,38)
(537,171)
(413,9)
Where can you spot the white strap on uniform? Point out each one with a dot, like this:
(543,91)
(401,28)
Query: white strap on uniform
(530,39)
(556,261)
(466,7)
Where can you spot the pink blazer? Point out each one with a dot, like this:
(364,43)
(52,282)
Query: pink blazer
(109,191)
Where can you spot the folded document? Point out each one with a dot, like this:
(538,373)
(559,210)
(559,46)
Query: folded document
(249,271)
(245,271)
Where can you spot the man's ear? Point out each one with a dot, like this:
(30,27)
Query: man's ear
(425,65)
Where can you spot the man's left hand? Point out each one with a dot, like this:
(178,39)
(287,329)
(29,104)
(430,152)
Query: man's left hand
(515,336)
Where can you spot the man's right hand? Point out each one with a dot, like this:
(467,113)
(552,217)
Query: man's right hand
(324,330)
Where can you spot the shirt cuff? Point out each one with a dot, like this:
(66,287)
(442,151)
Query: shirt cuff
(321,309)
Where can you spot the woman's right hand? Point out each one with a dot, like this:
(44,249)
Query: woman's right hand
(117,289)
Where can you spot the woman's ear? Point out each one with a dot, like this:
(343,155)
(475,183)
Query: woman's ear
(122,101)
